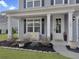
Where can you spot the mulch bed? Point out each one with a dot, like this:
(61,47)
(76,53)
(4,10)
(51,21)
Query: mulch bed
(33,46)
(40,47)
(6,43)
(73,50)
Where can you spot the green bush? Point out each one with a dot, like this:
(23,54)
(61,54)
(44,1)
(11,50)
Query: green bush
(13,31)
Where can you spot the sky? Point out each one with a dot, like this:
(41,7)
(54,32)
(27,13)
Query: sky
(8,5)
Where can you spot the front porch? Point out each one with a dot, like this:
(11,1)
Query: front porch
(52,25)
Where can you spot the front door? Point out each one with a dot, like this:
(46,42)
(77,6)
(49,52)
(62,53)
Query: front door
(58,27)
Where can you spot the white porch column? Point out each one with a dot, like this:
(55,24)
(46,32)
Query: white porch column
(10,27)
(77,19)
(33,3)
(68,1)
(54,2)
(48,25)
(71,41)
(40,3)
(20,28)
(70,14)
(63,2)
(26,3)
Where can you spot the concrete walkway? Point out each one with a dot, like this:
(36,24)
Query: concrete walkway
(60,47)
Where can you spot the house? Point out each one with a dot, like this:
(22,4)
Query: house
(3,24)
(48,17)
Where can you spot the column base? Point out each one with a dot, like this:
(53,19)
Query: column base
(72,44)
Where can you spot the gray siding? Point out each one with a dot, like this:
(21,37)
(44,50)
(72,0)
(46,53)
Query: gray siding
(4,24)
(47,3)
(3,19)
(72,1)
(74,31)
(74,28)
(66,27)
(21,4)
(77,15)
(58,1)
(45,26)
(66,23)
(3,27)
(77,1)
(78,30)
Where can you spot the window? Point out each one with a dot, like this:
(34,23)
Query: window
(71,1)
(24,3)
(30,25)
(37,29)
(30,4)
(42,2)
(37,26)
(58,1)
(30,29)
(52,2)
(43,25)
(24,25)
(77,1)
(33,25)
(36,3)
(65,1)
(74,18)
(58,25)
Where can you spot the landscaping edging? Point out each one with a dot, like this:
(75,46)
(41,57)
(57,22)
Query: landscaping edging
(21,49)
(76,50)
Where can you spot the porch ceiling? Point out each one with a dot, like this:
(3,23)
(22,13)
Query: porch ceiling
(43,10)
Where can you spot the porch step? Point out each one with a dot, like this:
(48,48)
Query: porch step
(59,40)
(78,43)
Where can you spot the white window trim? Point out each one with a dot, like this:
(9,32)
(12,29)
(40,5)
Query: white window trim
(77,19)
(68,2)
(54,2)
(41,26)
(30,1)
(58,4)
(33,23)
(33,26)
(40,3)
(33,3)
(63,2)
(26,3)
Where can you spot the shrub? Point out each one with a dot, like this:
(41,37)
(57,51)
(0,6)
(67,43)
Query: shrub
(13,30)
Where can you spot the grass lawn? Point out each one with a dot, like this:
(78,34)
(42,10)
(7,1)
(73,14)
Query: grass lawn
(5,36)
(17,54)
